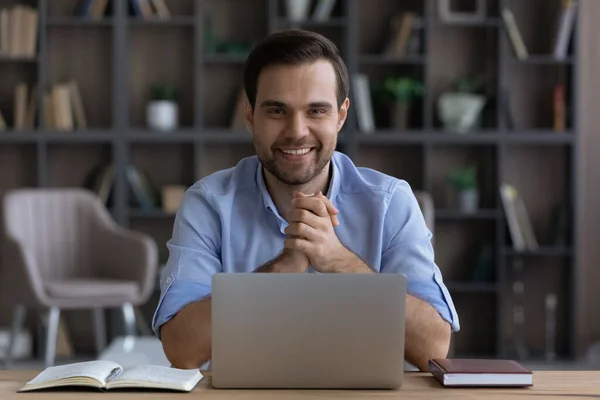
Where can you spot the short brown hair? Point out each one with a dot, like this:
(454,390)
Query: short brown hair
(292,47)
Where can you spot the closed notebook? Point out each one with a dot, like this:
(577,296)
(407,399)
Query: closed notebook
(475,372)
(107,375)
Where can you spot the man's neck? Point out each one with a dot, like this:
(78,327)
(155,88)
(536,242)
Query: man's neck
(282,194)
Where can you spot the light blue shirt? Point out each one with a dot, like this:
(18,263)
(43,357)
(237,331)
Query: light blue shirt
(227,222)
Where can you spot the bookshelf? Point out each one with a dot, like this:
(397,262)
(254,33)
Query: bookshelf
(116,59)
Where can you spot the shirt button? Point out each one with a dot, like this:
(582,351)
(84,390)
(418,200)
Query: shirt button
(169,280)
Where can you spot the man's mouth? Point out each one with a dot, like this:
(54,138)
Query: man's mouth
(297,152)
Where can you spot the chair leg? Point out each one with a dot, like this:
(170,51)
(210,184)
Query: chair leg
(52,335)
(99,329)
(129,319)
(18,320)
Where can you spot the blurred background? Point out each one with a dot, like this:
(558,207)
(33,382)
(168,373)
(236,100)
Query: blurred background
(486,107)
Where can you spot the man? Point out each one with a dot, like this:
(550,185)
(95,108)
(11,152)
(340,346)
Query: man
(298,206)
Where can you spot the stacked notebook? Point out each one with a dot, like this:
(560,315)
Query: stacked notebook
(473,372)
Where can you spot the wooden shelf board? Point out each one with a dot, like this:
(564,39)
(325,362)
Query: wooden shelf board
(183,21)
(333,22)
(224,58)
(144,135)
(458,215)
(79,22)
(382,59)
(471,287)
(543,251)
(150,214)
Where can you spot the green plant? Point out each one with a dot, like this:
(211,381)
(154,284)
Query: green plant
(463,178)
(401,89)
(470,84)
(164,93)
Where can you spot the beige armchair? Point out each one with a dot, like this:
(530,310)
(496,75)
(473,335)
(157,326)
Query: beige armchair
(63,251)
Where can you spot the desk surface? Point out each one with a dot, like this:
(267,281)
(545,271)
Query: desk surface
(417,385)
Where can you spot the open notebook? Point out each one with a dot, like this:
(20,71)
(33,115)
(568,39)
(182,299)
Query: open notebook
(106,375)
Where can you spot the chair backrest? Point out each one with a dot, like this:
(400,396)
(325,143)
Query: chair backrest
(56,226)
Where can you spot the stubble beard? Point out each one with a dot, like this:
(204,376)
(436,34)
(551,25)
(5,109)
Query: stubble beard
(295,177)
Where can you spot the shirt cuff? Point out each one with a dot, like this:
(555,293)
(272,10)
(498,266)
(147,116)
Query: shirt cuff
(438,297)
(175,296)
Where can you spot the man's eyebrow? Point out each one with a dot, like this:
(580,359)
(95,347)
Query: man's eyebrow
(272,103)
(320,104)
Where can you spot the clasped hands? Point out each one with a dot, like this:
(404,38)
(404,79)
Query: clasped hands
(311,239)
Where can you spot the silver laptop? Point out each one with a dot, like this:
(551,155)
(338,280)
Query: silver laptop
(308,330)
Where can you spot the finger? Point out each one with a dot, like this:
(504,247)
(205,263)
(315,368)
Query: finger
(298,215)
(300,230)
(299,195)
(312,204)
(301,245)
(330,208)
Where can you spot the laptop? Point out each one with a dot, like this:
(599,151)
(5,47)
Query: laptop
(308,331)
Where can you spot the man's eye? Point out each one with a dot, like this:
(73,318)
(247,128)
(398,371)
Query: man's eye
(275,111)
(317,111)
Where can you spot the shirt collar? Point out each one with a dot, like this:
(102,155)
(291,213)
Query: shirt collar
(332,191)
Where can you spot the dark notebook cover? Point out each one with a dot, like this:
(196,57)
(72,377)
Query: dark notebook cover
(476,372)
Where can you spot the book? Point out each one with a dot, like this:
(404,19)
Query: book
(106,375)
(519,223)
(514,34)
(480,372)
(565,28)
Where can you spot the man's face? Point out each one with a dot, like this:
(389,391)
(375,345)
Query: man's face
(296,120)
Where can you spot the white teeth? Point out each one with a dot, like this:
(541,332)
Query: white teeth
(296,152)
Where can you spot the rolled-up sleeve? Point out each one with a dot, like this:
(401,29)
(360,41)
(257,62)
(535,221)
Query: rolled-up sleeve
(194,256)
(409,251)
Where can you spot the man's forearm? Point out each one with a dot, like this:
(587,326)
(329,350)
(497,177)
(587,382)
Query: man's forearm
(186,338)
(286,262)
(349,263)
(427,334)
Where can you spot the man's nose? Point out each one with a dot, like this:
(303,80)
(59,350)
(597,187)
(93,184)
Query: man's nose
(297,126)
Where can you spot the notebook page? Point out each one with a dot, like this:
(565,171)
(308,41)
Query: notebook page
(97,370)
(163,376)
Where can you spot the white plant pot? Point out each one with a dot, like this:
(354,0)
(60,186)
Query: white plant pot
(297,10)
(162,115)
(460,112)
(468,201)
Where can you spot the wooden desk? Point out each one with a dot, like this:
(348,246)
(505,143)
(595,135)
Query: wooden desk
(547,385)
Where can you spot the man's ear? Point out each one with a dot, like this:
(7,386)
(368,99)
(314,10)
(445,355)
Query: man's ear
(343,113)
(249,116)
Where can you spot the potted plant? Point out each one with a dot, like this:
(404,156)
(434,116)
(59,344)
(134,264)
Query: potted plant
(399,94)
(162,112)
(460,109)
(464,184)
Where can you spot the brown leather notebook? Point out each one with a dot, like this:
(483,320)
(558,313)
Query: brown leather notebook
(475,372)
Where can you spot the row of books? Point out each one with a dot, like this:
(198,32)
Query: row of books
(150,9)
(146,9)
(92,9)
(562,39)
(302,10)
(405,35)
(18,31)
(63,107)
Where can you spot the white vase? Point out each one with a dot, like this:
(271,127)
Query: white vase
(162,115)
(297,10)
(468,201)
(460,112)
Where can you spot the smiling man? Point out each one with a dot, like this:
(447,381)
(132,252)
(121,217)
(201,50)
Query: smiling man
(298,206)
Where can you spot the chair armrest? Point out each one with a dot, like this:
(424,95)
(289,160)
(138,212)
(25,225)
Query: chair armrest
(20,278)
(122,253)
